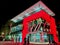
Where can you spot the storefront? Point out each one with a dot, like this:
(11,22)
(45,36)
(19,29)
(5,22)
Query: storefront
(38,31)
(38,24)
(16,33)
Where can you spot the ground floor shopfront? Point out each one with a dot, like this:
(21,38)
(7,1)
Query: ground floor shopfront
(38,38)
(38,34)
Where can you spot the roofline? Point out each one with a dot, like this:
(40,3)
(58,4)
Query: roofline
(30,8)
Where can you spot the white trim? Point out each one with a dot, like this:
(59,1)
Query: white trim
(39,42)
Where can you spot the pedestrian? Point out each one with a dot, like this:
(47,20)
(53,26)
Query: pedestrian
(24,41)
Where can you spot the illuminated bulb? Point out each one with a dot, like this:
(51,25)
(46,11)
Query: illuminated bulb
(2,33)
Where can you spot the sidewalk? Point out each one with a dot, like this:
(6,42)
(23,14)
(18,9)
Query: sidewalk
(8,43)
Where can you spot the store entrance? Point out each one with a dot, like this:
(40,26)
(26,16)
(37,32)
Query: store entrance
(39,32)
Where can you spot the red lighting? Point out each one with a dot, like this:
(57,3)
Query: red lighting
(45,16)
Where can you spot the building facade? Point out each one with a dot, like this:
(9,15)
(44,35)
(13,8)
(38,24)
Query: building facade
(39,28)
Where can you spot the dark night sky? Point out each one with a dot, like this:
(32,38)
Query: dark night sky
(9,9)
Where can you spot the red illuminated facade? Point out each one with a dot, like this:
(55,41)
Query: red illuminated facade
(38,10)
(41,14)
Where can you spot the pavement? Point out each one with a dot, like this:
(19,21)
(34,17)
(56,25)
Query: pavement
(15,43)
(41,44)
(8,43)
